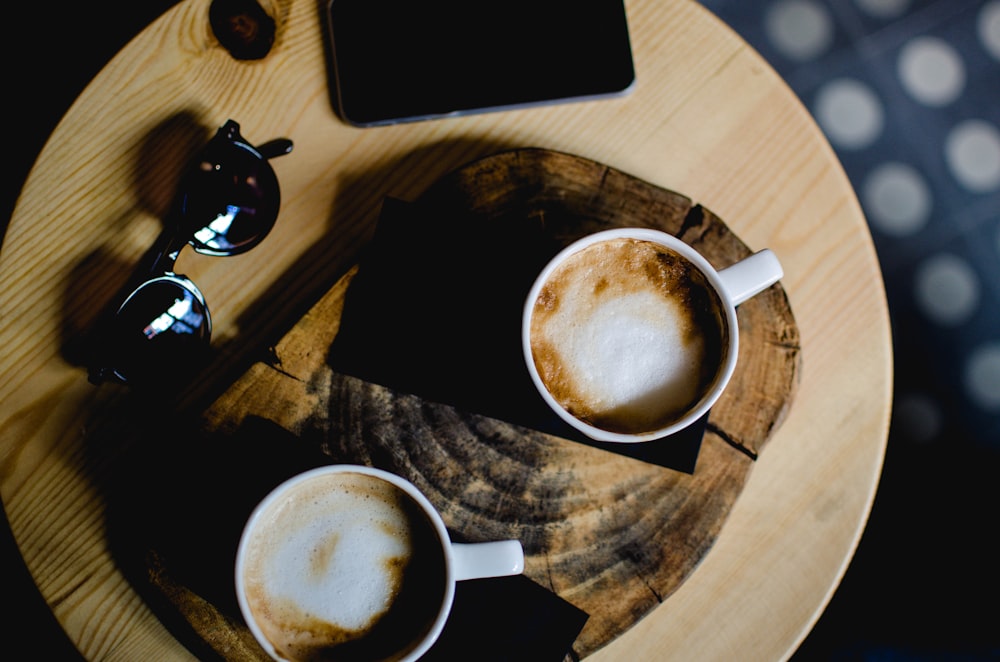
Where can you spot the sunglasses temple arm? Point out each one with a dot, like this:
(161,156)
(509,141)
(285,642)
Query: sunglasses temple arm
(275,148)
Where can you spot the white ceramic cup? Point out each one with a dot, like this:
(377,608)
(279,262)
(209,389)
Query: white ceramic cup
(316,539)
(732,286)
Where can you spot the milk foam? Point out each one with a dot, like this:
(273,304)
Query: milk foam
(625,333)
(329,558)
(629,355)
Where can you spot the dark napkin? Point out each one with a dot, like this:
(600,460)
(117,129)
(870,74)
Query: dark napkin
(507,618)
(435,311)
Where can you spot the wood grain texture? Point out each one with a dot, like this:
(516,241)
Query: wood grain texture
(708,117)
(613,535)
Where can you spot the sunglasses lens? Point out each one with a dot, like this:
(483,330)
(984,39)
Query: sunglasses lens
(161,333)
(230,199)
(228,203)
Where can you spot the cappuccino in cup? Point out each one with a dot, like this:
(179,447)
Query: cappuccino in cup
(627,335)
(630,334)
(351,563)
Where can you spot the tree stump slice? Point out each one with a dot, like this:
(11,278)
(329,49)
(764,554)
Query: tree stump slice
(611,534)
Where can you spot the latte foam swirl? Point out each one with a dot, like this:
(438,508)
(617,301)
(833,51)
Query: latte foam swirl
(626,335)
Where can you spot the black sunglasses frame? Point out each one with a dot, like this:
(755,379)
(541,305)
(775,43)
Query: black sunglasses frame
(227,203)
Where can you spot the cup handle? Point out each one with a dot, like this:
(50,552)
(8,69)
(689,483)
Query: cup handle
(751,276)
(487,559)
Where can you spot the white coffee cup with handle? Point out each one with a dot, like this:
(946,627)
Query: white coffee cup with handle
(631,335)
(353,561)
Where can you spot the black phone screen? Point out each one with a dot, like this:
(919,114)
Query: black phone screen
(406,60)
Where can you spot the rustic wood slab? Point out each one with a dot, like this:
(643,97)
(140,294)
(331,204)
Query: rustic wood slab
(612,534)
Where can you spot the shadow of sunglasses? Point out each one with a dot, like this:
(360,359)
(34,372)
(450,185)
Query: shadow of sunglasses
(227,203)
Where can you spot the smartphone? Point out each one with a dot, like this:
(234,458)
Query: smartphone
(408,60)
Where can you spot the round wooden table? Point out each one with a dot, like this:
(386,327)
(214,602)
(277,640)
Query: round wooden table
(708,118)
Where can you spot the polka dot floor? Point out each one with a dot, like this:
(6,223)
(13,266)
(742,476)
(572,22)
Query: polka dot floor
(908,94)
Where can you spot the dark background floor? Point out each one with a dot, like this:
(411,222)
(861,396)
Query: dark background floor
(908,91)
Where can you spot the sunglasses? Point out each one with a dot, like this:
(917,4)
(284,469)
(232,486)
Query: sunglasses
(227,203)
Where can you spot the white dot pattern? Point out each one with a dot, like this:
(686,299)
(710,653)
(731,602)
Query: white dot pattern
(801,29)
(931,71)
(850,113)
(946,289)
(897,199)
(908,94)
(988,28)
(982,377)
(973,154)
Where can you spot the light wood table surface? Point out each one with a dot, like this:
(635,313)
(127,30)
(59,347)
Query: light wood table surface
(708,118)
